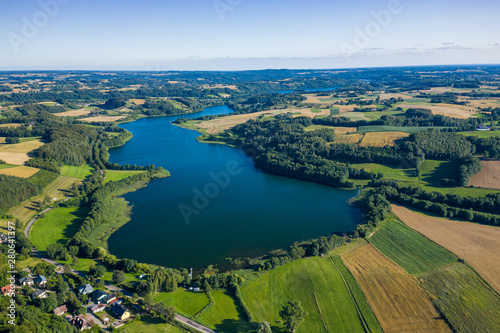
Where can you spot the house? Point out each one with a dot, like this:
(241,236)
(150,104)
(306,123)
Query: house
(121,312)
(483,128)
(108,299)
(3,238)
(8,290)
(98,308)
(196,289)
(99,295)
(60,310)
(41,281)
(86,289)
(142,276)
(27,281)
(39,294)
(81,323)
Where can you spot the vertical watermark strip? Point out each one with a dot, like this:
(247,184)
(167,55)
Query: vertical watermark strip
(11,308)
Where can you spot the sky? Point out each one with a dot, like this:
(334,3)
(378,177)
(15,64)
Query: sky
(161,35)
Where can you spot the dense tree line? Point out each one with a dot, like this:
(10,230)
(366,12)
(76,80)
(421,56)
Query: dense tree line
(411,118)
(14,190)
(281,146)
(419,201)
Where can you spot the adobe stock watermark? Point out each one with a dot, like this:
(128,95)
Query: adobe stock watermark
(31,26)
(210,191)
(223,6)
(11,255)
(372,29)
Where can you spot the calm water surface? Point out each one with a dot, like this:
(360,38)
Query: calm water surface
(216,204)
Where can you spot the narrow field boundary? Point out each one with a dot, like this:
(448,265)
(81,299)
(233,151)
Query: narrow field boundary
(320,313)
(358,310)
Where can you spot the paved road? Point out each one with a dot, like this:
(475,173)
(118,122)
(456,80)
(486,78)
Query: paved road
(193,324)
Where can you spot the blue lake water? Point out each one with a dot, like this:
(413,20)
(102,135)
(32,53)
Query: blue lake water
(216,204)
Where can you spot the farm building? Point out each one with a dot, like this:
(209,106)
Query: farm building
(60,310)
(483,128)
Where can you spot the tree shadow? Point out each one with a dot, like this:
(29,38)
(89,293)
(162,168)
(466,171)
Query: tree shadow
(77,219)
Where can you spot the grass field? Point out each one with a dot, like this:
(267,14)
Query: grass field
(482,134)
(301,280)
(7,166)
(393,173)
(398,302)
(81,172)
(19,171)
(370,321)
(58,226)
(185,302)
(115,175)
(148,324)
(478,244)
(224,315)
(409,249)
(466,301)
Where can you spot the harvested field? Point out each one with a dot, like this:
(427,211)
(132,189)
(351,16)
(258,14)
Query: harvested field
(382,139)
(312,98)
(478,244)
(221,124)
(137,101)
(73,113)
(20,171)
(489,177)
(103,118)
(493,103)
(18,153)
(349,138)
(345,130)
(396,299)
(392,95)
(454,111)
(11,125)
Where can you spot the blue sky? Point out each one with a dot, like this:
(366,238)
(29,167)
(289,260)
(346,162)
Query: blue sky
(245,34)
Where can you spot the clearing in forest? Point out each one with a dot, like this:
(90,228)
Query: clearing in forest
(382,139)
(489,177)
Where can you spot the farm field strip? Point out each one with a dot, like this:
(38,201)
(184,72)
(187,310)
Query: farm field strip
(478,244)
(489,177)
(300,280)
(396,299)
(19,171)
(409,249)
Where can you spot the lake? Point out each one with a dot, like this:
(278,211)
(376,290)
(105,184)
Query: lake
(216,204)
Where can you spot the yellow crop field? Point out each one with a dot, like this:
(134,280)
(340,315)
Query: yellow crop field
(20,171)
(382,139)
(396,299)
